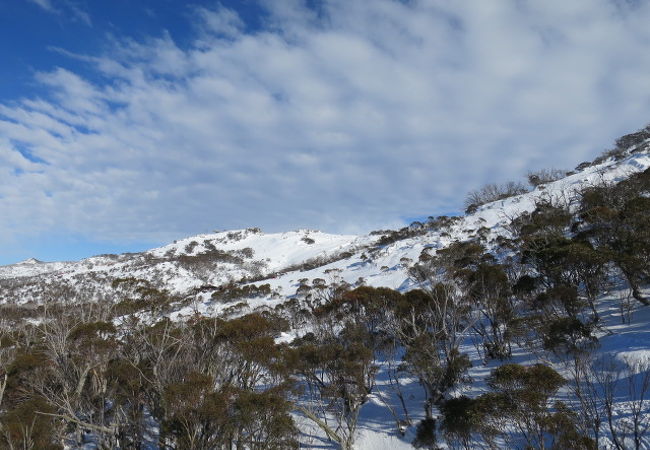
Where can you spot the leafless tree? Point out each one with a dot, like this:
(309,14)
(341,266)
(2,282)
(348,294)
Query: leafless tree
(493,192)
(431,332)
(613,401)
(586,389)
(544,176)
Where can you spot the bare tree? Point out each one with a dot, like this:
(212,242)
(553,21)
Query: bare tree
(544,176)
(431,330)
(337,365)
(493,192)
(586,389)
(637,375)
(613,395)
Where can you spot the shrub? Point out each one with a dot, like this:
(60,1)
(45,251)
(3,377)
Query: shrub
(491,193)
(521,400)
(630,143)
(569,335)
(189,248)
(543,176)
(634,139)
(425,434)
(26,426)
(414,229)
(229,292)
(460,417)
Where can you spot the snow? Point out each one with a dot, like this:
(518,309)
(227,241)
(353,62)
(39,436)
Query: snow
(276,258)
(278,255)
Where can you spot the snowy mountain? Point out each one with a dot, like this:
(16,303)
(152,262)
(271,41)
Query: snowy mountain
(281,259)
(233,273)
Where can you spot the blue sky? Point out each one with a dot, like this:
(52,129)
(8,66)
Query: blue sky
(127,124)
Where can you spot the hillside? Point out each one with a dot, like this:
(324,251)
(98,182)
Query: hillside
(419,336)
(281,259)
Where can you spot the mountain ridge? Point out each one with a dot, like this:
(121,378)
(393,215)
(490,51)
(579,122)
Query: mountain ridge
(280,259)
(525,284)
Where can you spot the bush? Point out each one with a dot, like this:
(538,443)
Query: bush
(25,426)
(460,417)
(520,400)
(543,176)
(414,229)
(630,143)
(425,435)
(633,139)
(491,193)
(229,292)
(569,335)
(189,248)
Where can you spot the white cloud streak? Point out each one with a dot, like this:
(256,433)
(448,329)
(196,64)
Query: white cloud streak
(345,119)
(65,8)
(45,4)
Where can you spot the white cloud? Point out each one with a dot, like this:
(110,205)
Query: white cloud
(45,4)
(65,8)
(346,118)
(221,21)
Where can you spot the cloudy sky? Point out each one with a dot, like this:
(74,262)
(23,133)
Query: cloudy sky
(126,124)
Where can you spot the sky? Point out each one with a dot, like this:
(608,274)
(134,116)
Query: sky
(130,123)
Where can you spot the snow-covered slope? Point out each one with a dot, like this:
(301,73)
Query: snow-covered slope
(281,259)
(388,265)
(208,259)
(197,267)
